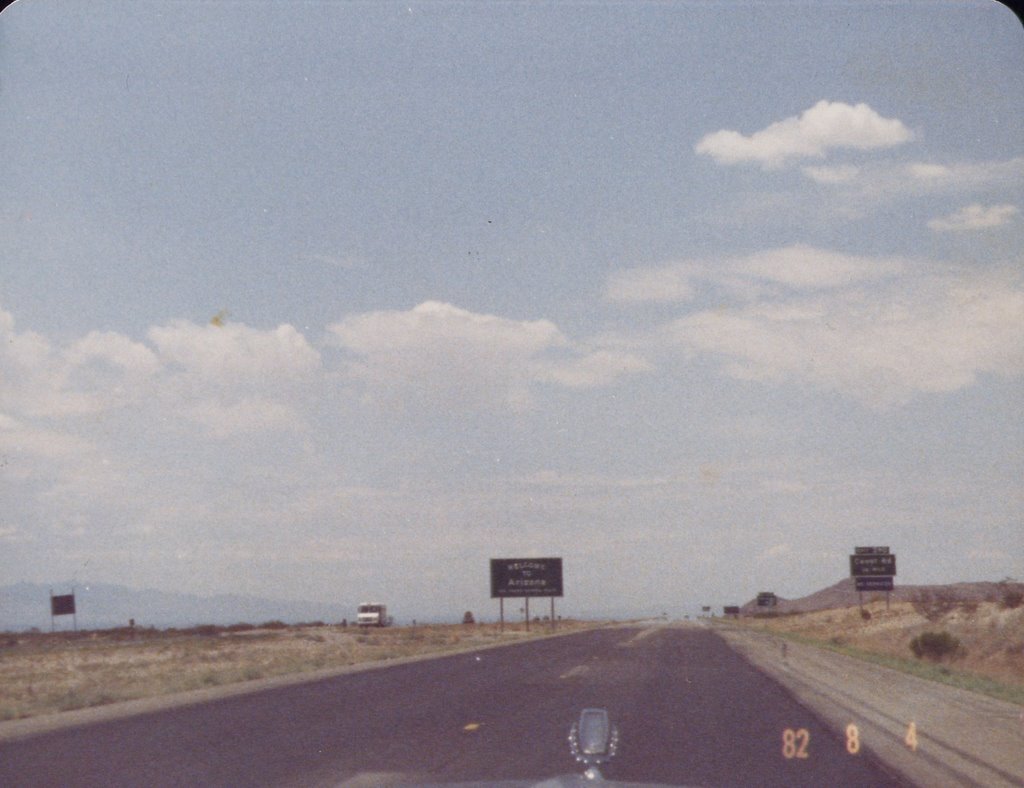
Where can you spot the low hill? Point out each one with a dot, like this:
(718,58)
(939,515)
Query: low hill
(844,594)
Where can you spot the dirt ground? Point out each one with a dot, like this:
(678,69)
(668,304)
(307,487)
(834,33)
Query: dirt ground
(991,635)
(47,672)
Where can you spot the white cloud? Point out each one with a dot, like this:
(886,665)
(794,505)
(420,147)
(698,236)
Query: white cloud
(33,376)
(839,174)
(234,351)
(600,368)
(114,349)
(434,325)
(974,217)
(667,283)
(249,415)
(804,267)
(441,352)
(824,126)
(927,172)
(936,333)
(749,277)
(885,181)
(24,439)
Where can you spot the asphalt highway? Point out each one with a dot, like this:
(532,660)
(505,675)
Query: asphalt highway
(690,711)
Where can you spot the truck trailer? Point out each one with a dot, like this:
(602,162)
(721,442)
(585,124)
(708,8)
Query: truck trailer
(373,614)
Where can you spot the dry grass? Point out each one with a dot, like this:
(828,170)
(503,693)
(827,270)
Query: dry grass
(45,672)
(992,635)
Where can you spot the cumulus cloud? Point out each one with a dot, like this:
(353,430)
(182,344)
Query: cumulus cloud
(936,333)
(840,174)
(805,267)
(846,191)
(433,325)
(34,376)
(825,126)
(248,415)
(796,267)
(667,283)
(934,178)
(20,438)
(114,349)
(442,352)
(234,351)
(599,368)
(974,217)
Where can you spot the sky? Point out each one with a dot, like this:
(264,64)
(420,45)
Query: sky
(338,301)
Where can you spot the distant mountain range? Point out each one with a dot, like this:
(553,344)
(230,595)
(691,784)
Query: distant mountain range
(101,606)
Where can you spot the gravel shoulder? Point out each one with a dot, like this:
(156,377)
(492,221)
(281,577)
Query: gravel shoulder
(962,738)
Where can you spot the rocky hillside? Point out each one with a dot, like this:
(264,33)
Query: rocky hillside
(844,594)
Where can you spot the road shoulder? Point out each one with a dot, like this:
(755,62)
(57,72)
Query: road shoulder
(959,737)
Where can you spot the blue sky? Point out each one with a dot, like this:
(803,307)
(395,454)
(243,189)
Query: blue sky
(336,301)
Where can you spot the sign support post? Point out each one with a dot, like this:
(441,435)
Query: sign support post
(873,569)
(525,578)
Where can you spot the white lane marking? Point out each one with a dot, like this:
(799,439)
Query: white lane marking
(579,670)
(639,636)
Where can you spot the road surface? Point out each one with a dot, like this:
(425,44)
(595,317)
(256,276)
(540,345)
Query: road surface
(690,710)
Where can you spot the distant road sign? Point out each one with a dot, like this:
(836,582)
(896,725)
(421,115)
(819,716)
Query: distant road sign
(874,583)
(767,599)
(871,550)
(526,577)
(731,610)
(872,565)
(62,605)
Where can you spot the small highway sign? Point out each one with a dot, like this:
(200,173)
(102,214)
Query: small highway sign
(872,565)
(871,550)
(767,599)
(877,583)
(62,605)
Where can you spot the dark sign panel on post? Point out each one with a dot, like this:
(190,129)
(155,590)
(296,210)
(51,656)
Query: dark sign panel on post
(877,583)
(526,577)
(62,605)
(871,550)
(872,565)
(731,610)
(767,599)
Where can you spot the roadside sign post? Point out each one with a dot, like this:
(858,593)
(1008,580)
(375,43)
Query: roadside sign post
(63,605)
(873,569)
(525,578)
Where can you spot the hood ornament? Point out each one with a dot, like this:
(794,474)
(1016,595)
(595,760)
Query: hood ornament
(593,741)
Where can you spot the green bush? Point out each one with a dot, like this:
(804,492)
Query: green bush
(935,646)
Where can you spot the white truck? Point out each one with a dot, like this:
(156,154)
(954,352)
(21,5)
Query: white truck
(373,614)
